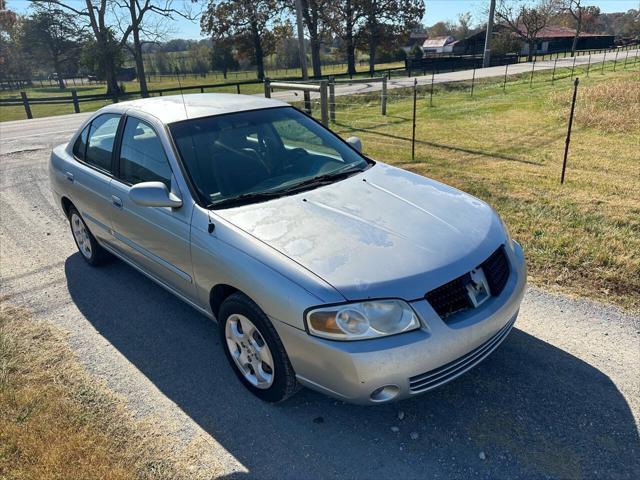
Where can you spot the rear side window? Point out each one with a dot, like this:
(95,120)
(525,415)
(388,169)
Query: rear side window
(102,136)
(81,144)
(142,157)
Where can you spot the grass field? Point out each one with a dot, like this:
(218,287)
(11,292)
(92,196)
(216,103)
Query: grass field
(582,237)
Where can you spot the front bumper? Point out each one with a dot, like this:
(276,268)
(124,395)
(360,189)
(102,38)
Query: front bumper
(413,362)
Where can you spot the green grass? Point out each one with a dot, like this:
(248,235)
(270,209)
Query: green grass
(582,237)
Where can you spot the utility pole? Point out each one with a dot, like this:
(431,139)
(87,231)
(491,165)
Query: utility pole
(303,54)
(486,61)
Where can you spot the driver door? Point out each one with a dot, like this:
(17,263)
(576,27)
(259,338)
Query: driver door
(157,239)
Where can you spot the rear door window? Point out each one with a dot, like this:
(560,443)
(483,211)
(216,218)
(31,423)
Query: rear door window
(102,136)
(80,146)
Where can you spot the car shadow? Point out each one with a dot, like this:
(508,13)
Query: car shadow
(529,410)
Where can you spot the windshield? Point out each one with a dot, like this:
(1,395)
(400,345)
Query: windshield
(252,155)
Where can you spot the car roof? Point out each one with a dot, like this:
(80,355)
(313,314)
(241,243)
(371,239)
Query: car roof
(174,108)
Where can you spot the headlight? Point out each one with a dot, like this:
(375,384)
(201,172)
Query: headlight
(357,321)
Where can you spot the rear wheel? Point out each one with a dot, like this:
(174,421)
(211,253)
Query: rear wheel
(254,350)
(87,245)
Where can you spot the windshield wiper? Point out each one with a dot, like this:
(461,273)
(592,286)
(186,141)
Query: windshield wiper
(251,197)
(246,198)
(324,179)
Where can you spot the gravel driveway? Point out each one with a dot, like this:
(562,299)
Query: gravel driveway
(560,398)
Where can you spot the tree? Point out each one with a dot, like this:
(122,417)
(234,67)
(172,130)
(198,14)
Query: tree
(222,57)
(53,37)
(245,20)
(95,14)
(12,62)
(199,58)
(313,14)
(138,11)
(385,18)
(344,18)
(98,58)
(581,15)
(526,19)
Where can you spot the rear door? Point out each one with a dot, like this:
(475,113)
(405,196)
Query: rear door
(91,174)
(155,238)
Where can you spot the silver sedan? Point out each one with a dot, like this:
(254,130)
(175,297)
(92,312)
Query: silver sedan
(323,267)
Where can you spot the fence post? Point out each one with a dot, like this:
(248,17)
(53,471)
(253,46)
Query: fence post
(625,60)
(473,81)
(533,67)
(573,67)
(413,134)
(383,97)
(589,66)
(553,76)
(201,89)
(504,84)
(267,88)
(568,140)
(25,102)
(615,61)
(74,96)
(238,88)
(431,92)
(332,99)
(603,62)
(324,110)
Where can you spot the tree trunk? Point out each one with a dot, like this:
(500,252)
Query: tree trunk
(110,76)
(310,15)
(315,53)
(257,43)
(56,64)
(350,45)
(137,53)
(574,46)
(372,57)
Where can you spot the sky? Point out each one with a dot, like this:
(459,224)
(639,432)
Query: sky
(437,10)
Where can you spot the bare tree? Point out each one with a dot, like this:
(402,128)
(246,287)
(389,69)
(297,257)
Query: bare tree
(526,19)
(138,13)
(580,14)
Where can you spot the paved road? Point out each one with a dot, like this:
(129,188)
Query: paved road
(560,398)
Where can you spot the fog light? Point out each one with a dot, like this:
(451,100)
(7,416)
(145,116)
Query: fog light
(384,394)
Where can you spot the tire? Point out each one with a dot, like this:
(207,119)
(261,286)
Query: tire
(267,374)
(90,250)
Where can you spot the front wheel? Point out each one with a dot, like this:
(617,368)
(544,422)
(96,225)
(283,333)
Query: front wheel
(255,351)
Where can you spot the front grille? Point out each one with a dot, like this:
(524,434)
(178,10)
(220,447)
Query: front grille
(496,270)
(445,373)
(453,297)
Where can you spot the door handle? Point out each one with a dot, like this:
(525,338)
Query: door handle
(69,176)
(116,201)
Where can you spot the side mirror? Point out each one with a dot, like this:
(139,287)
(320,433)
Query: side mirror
(153,194)
(356,143)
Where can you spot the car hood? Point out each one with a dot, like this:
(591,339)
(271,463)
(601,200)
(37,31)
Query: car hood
(384,232)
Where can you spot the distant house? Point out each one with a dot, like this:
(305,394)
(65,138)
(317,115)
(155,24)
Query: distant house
(438,45)
(549,40)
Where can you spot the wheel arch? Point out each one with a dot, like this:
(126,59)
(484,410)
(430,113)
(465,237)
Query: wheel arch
(218,294)
(66,205)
